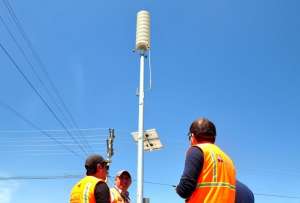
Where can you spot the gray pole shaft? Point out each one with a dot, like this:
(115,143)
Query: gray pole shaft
(109,143)
(146,200)
(140,164)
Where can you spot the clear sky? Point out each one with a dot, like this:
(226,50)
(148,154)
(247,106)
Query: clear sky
(234,62)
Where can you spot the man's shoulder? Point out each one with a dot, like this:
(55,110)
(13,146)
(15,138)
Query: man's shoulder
(194,150)
(113,190)
(101,186)
(102,193)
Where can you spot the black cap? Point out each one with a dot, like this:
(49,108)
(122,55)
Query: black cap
(92,161)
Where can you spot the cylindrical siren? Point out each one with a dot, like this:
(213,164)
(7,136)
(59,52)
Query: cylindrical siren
(142,31)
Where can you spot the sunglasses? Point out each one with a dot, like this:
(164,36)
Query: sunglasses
(105,165)
(189,135)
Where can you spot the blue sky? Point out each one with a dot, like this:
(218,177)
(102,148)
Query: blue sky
(234,62)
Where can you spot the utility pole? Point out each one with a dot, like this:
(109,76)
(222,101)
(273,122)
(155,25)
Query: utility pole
(142,46)
(109,145)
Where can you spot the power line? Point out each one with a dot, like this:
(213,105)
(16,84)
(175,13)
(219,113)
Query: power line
(53,130)
(272,171)
(43,67)
(21,145)
(62,136)
(43,139)
(162,184)
(45,154)
(148,182)
(40,96)
(37,138)
(40,177)
(38,151)
(4,105)
(276,195)
(90,134)
(32,67)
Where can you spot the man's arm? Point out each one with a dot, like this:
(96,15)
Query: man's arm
(102,193)
(193,165)
(243,194)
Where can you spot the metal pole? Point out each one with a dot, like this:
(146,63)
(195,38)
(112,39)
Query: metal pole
(146,200)
(109,145)
(140,164)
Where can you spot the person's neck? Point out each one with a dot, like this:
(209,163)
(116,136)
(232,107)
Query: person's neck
(120,190)
(203,142)
(97,175)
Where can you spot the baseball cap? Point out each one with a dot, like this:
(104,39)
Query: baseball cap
(92,161)
(123,172)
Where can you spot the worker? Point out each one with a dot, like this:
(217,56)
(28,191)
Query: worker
(119,193)
(243,193)
(92,188)
(209,173)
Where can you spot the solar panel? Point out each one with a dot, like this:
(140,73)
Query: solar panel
(151,140)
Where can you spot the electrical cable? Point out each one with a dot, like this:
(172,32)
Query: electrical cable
(16,140)
(33,68)
(39,177)
(150,70)
(38,59)
(148,182)
(43,142)
(278,196)
(47,145)
(52,130)
(40,96)
(4,105)
(61,137)
(13,136)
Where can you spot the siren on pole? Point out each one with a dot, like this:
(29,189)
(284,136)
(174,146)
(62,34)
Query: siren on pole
(142,31)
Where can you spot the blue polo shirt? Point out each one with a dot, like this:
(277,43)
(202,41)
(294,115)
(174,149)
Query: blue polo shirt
(188,181)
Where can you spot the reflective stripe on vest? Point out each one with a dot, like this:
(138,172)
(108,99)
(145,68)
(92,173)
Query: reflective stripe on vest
(213,157)
(116,196)
(83,191)
(86,193)
(216,181)
(216,184)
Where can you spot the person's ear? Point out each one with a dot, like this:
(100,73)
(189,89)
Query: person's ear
(193,139)
(99,166)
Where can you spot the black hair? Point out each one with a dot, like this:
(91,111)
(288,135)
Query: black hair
(203,130)
(91,171)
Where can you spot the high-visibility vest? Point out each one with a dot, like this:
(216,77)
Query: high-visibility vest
(83,191)
(216,180)
(116,197)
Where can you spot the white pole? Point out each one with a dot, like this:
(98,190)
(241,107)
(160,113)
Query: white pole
(140,164)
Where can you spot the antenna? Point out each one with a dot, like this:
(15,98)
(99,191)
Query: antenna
(109,145)
(142,42)
(142,45)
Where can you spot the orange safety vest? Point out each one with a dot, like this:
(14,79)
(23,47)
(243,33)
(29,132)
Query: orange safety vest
(216,181)
(83,191)
(115,196)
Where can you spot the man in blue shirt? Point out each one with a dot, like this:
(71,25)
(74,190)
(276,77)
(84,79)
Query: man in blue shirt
(188,182)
